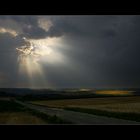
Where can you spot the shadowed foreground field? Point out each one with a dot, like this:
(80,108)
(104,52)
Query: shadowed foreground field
(19,118)
(14,113)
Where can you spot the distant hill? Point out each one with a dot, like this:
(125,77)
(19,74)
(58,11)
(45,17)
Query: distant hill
(42,94)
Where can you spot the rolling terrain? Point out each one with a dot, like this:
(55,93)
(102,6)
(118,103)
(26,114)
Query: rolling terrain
(69,106)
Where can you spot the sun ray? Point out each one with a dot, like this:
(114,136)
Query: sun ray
(38,53)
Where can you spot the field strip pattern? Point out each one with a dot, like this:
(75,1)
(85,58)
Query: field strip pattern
(78,117)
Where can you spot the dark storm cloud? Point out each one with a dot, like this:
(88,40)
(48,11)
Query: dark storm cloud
(63,25)
(106,48)
(8,42)
(34,32)
(86,26)
(28,24)
(8,59)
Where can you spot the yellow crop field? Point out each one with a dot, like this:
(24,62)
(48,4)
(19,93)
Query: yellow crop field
(114,92)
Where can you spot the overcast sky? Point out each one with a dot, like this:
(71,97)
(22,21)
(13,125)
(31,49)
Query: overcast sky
(88,51)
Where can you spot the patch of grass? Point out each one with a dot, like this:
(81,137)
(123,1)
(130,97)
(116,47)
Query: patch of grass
(20,118)
(119,115)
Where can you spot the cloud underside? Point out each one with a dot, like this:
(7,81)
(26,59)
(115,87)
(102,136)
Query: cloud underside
(106,48)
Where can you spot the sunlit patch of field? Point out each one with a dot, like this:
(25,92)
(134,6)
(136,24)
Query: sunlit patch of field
(19,118)
(115,104)
(114,92)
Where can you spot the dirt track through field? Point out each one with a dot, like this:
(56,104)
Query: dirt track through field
(77,117)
